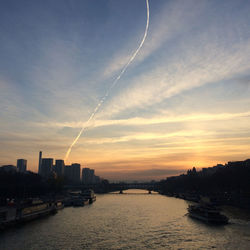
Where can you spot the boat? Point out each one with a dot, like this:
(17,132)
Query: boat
(7,216)
(37,208)
(92,199)
(192,197)
(89,194)
(208,213)
(59,204)
(68,202)
(80,202)
(79,198)
(25,211)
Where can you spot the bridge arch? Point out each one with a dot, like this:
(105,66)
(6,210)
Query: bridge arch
(126,186)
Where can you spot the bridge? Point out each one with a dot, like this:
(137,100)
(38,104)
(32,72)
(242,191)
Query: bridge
(152,186)
(112,187)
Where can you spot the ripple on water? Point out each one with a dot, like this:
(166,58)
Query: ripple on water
(126,222)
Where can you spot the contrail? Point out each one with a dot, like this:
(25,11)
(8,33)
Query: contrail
(112,86)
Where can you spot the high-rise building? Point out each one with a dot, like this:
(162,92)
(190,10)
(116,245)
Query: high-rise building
(92,176)
(88,176)
(21,165)
(76,172)
(72,173)
(67,173)
(46,167)
(40,162)
(97,179)
(59,167)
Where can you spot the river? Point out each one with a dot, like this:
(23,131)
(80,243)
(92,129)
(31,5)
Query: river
(135,220)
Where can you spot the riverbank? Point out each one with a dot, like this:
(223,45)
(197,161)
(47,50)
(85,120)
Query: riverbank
(239,200)
(16,212)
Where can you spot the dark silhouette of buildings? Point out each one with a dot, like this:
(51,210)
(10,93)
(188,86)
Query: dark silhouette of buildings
(8,168)
(225,184)
(59,168)
(76,172)
(89,177)
(22,165)
(17,182)
(72,173)
(46,167)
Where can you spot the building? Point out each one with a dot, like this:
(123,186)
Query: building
(88,176)
(21,165)
(8,168)
(72,173)
(40,162)
(76,172)
(46,167)
(59,167)
(67,173)
(97,179)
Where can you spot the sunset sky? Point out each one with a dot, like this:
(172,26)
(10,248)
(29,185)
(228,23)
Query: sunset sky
(184,101)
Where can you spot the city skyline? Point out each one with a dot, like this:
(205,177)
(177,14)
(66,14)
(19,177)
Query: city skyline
(183,101)
(49,168)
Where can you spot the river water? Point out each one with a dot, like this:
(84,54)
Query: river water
(136,220)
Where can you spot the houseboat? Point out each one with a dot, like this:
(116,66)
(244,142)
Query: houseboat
(24,211)
(208,213)
(89,194)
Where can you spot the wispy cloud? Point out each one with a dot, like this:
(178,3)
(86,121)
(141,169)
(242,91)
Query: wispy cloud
(163,118)
(188,49)
(172,19)
(197,66)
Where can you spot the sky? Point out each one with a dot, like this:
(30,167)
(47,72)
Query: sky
(183,101)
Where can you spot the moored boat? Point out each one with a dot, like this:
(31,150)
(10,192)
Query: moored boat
(79,198)
(59,204)
(91,200)
(36,209)
(25,211)
(80,202)
(7,216)
(68,201)
(89,194)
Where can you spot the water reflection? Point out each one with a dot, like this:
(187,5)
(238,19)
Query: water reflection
(134,191)
(126,222)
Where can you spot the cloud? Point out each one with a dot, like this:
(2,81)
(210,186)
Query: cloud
(196,66)
(163,118)
(142,175)
(243,81)
(190,45)
(170,21)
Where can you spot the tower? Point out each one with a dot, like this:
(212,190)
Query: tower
(40,162)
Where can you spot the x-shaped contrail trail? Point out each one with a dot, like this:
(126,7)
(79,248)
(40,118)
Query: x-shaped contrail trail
(112,86)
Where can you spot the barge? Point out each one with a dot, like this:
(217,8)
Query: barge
(25,211)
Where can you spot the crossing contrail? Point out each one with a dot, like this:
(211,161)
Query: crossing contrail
(112,85)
